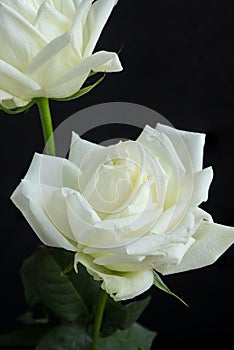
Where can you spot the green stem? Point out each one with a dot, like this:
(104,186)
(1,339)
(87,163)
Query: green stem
(98,317)
(46,122)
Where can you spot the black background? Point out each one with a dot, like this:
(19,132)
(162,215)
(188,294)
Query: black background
(178,59)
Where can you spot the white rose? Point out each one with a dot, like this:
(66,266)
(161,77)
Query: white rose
(126,209)
(47,46)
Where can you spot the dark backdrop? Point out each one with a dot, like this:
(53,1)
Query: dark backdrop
(178,59)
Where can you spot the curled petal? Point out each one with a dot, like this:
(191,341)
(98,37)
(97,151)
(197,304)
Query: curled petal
(211,241)
(187,144)
(11,102)
(80,148)
(96,20)
(72,81)
(50,22)
(20,40)
(24,199)
(16,83)
(120,286)
(23,8)
(53,171)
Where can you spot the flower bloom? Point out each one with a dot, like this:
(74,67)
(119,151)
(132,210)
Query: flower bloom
(47,48)
(127,209)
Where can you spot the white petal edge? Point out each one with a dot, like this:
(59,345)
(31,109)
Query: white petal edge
(48,52)
(22,8)
(121,286)
(50,22)
(72,81)
(15,30)
(80,148)
(10,102)
(187,144)
(95,22)
(54,171)
(212,240)
(37,219)
(16,83)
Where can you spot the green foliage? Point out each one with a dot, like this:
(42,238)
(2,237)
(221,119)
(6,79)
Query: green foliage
(69,336)
(83,90)
(28,277)
(27,336)
(68,303)
(66,295)
(119,316)
(73,337)
(135,337)
(158,282)
(18,110)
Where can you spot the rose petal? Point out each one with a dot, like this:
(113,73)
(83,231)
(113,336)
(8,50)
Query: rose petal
(58,53)
(172,253)
(67,8)
(23,8)
(201,184)
(124,263)
(80,148)
(82,218)
(122,286)
(72,81)
(15,30)
(164,153)
(78,43)
(53,171)
(158,238)
(50,22)
(95,22)
(52,202)
(11,102)
(112,186)
(24,199)
(16,83)
(35,4)
(187,144)
(212,240)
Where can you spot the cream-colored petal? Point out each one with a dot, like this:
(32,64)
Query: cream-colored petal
(106,62)
(77,27)
(111,188)
(68,8)
(125,263)
(189,145)
(190,223)
(52,62)
(22,7)
(162,149)
(10,102)
(200,189)
(82,218)
(15,30)
(96,20)
(53,171)
(35,4)
(120,286)
(52,202)
(23,198)
(73,80)
(48,53)
(50,22)
(80,148)
(16,83)
(155,242)
(165,154)
(212,240)
(172,254)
